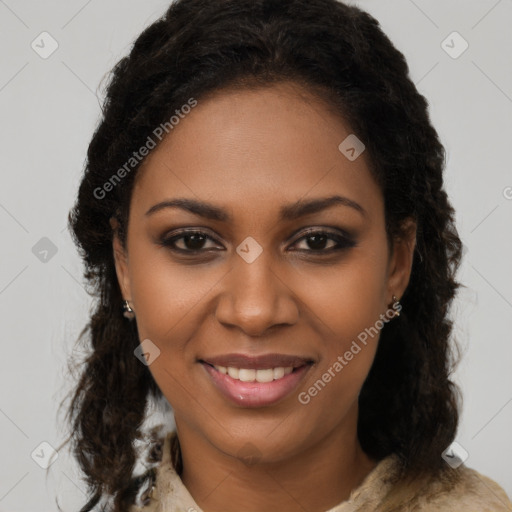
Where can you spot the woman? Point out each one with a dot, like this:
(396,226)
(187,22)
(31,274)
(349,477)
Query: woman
(264,199)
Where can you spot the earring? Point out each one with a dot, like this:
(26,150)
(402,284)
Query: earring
(128,311)
(396,306)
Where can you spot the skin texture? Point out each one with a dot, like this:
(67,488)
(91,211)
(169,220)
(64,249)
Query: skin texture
(251,152)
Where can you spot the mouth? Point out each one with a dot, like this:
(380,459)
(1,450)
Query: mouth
(256,382)
(254,375)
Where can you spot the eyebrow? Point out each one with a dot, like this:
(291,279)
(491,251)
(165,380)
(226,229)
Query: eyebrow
(287,212)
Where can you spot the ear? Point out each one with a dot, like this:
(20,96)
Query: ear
(121,261)
(400,264)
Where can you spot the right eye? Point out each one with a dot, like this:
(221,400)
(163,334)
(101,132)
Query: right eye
(192,241)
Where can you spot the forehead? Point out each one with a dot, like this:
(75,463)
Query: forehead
(256,149)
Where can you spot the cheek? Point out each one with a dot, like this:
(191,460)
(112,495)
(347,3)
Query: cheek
(347,303)
(347,299)
(168,296)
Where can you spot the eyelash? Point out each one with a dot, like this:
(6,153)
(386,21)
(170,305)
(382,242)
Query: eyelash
(343,242)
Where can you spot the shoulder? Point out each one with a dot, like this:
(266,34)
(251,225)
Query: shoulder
(473,491)
(454,489)
(467,490)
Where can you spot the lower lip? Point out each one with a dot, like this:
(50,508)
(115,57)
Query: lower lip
(256,394)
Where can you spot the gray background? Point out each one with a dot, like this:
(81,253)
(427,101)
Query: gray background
(49,109)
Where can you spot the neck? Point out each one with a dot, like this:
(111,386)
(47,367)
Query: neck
(315,479)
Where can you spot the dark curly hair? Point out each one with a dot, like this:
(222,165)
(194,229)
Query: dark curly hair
(408,405)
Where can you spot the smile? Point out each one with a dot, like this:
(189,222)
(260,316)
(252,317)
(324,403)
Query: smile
(250,387)
(251,375)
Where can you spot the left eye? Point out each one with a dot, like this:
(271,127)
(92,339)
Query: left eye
(318,239)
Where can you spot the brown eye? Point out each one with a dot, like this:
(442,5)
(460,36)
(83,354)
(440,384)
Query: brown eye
(318,241)
(191,241)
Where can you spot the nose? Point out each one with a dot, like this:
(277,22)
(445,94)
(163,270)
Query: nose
(256,297)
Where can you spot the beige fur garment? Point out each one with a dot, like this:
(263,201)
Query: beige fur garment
(473,492)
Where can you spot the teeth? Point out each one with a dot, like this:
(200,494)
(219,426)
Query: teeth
(278,373)
(246,375)
(233,372)
(251,375)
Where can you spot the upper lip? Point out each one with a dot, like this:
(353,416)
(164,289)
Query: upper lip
(261,362)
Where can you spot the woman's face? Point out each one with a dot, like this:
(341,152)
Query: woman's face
(261,279)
